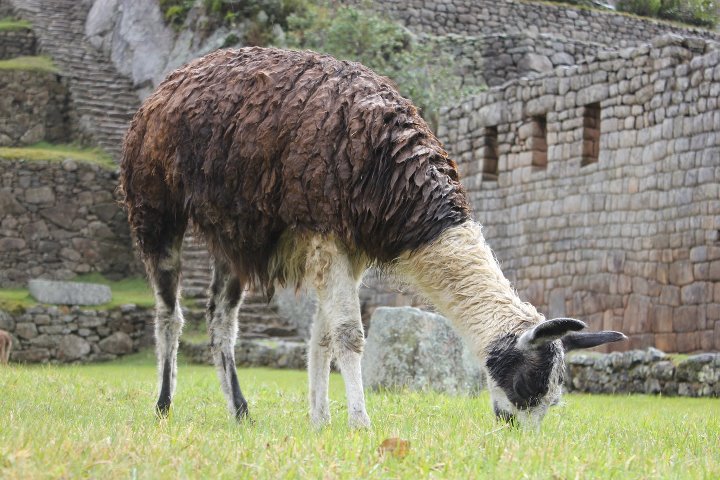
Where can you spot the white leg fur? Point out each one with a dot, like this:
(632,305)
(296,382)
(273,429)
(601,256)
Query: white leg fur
(338,331)
(319,371)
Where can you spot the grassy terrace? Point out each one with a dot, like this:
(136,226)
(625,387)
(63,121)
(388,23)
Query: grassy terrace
(10,24)
(96,421)
(33,64)
(44,151)
(130,290)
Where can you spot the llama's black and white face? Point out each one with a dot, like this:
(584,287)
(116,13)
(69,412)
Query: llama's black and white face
(525,372)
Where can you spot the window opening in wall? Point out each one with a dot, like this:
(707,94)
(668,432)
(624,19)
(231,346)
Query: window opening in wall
(490,154)
(538,142)
(591,134)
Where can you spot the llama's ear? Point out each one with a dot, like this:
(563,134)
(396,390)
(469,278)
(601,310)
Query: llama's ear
(574,341)
(548,331)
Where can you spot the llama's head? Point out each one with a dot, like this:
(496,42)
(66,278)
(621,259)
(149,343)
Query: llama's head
(525,372)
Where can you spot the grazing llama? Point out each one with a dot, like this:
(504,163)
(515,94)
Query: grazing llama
(295,167)
(5,347)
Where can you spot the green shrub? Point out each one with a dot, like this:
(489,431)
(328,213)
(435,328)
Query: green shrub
(175,11)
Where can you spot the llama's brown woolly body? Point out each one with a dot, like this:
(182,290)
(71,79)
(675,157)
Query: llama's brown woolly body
(250,143)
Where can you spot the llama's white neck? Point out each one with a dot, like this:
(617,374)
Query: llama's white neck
(459,274)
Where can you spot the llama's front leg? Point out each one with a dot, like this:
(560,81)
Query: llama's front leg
(164,275)
(319,370)
(225,297)
(349,340)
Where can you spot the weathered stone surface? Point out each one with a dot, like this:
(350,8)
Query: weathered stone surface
(119,343)
(410,348)
(7,322)
(72,347)
(69,293)
(535,63)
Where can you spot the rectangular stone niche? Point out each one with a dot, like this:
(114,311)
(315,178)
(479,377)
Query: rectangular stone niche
(591,134)
(538,142)
(490,154)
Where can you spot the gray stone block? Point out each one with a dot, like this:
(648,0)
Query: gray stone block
(410,348)
(69,293)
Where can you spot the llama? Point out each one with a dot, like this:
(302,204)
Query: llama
(5,347)
(296,167)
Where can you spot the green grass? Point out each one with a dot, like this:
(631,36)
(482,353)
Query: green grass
(97,421)
(44,151)
(33,64)
(9,24)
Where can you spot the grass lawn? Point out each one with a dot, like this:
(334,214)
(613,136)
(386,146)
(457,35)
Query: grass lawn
(96,421)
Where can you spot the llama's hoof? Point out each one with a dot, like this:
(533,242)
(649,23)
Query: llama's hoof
(243,417)
(359,421)
(162,409)
(320,420)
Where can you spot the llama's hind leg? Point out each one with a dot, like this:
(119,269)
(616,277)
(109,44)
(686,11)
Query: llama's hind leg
(339,304)
(226,294)
(164,273)
(319,369)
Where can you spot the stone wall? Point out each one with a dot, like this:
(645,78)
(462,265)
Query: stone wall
(494,59)
(60,219)
(618,226)
(254,353)
(485,17)
(34,106)
(650,372)
(15,43)
(74,334)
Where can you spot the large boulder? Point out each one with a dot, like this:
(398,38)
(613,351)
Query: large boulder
(410,348)
(69,293)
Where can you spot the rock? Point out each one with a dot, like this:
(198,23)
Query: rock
(69,293)
(408,347)
(7,322)
(26,330)
(119,343)
(562,58)
(532,62)
(72,347)
(39,195)
(134,35)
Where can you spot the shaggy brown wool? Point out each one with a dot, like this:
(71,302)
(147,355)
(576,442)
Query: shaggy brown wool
(252,142)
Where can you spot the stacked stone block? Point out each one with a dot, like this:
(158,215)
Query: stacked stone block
(60,219)
(648,372)
(75,334)
(16,42)
(494,59)
(630,242)
(34,107)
